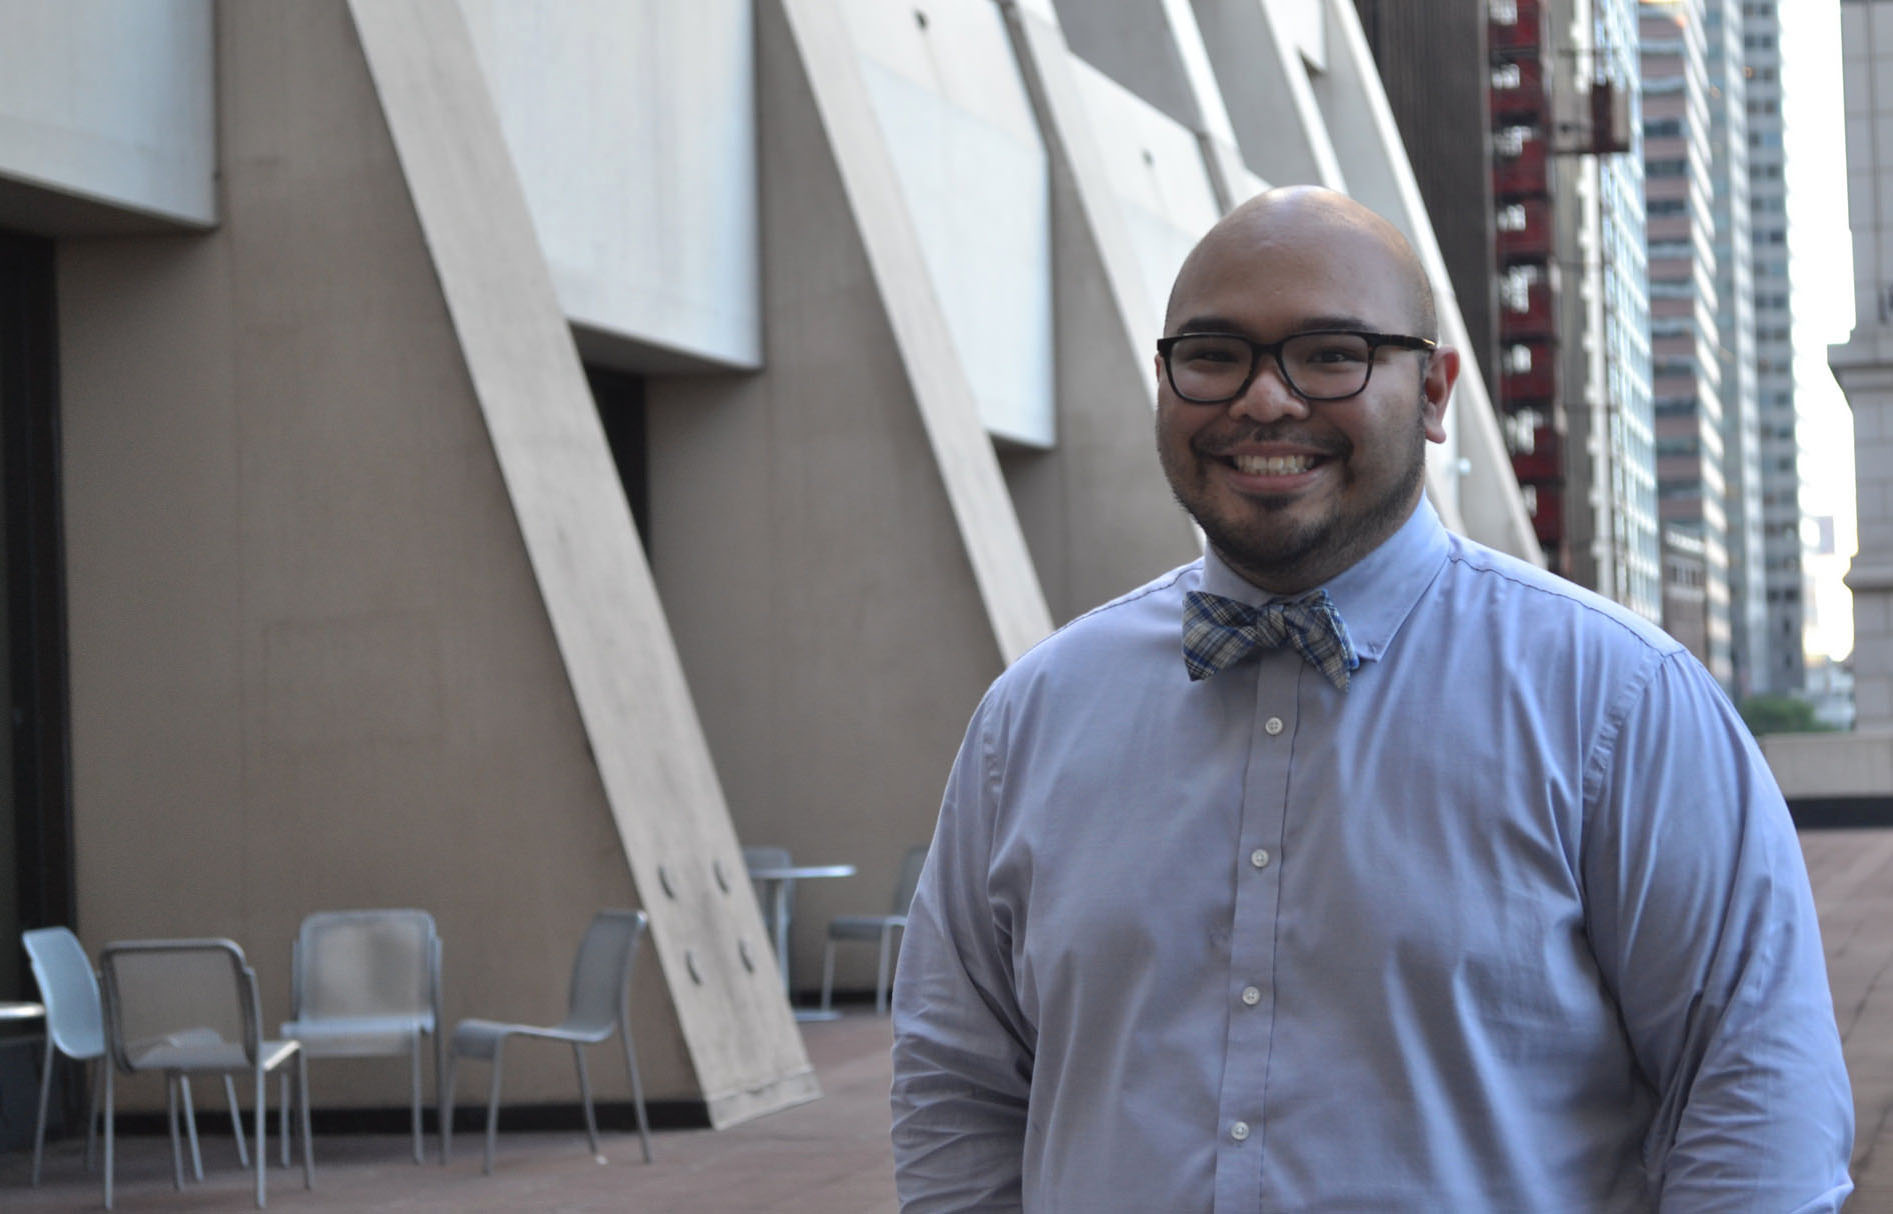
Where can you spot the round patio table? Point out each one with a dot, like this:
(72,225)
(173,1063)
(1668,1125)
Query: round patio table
(781,879)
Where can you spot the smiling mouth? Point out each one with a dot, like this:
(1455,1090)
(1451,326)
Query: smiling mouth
(1274,465)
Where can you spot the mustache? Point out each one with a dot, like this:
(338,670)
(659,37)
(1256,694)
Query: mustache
(1333,445)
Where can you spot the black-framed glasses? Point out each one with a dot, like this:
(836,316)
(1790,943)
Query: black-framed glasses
(1321,364)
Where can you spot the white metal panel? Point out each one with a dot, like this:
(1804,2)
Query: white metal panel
(638,157)
(112,102)
(959,128)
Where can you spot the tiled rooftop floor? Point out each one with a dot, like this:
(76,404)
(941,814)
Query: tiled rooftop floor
(831,1157)
(827,1157)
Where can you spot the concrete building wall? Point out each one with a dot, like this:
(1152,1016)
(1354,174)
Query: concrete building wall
(1864,365)
(313,663)
(804,535)
(112,108)
(310,668)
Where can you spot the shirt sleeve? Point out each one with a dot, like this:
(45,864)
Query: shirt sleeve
(962,1054)
(1704,928)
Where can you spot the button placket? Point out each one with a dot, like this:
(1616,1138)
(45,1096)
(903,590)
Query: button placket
(1251,994)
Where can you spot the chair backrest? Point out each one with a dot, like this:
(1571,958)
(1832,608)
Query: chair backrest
(75,1019)
(157,990)
(910,866)
(366,963)
(601,974)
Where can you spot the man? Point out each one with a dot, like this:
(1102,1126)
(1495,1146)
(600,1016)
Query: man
(1448,886)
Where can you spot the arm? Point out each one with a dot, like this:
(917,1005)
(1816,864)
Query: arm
(962,1058)
(1704,928)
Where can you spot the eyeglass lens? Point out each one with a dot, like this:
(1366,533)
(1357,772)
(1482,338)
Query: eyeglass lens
(1211,367)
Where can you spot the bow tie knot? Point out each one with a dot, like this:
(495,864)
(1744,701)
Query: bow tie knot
(1219,632)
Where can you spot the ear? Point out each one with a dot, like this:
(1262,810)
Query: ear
(1442,372)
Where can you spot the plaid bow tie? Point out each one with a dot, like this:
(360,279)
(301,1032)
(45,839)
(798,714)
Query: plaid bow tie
(1219,632)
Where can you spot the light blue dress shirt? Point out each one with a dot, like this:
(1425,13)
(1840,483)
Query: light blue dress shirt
(1517,923)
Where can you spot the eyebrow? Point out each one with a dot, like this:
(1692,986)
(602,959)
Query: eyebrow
(1223,324)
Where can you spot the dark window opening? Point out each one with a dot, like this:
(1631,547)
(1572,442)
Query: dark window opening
(36,865)
(620,401)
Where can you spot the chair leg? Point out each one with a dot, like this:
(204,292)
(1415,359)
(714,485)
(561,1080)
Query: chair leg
(828,975)
(170,1121)
(493,1105)
(282,1121)
(585,1098)
(262,1129)
(637,1087)
(414,1084)
(190,1129)
(236,1120)
(105,1064)
(101,1070)
(447,1110)
(443,1091)
(45,1096)
(880,974)
(308,1139)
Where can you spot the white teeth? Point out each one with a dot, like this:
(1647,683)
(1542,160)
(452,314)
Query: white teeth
(1273,465)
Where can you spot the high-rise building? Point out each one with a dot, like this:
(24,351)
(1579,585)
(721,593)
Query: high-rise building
(1686,365)
(1613,540)
(1735,348)
(1542,230)
(1531,192)
(1774,353)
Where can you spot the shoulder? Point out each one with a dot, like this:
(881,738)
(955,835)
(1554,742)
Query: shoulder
(1534,604)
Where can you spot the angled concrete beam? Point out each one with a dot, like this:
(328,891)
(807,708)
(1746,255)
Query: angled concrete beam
(1097,508)
(1272,108)
(625,676)
(976,489)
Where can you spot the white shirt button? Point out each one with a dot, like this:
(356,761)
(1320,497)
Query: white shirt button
(1251,995)
(1239,1131)
(1259,857)
(1272,726)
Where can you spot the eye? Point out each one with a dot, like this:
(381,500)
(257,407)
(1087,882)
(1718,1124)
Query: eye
(1332,350)
(1210,352)
(1337,352)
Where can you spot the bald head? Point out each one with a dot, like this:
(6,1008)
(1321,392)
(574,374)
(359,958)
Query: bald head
(1311,218)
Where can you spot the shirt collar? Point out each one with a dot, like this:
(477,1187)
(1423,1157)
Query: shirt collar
(1376,593)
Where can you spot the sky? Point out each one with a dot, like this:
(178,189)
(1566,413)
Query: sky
(1820,264)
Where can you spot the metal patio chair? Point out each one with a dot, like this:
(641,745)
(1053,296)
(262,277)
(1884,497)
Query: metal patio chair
(874,927)
(599,1006)
(183,1006)
(366,984)
(75,1027)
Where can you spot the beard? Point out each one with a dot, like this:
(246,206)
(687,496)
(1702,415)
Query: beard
(1281,548)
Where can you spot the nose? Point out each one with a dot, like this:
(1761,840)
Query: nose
(1268,396)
